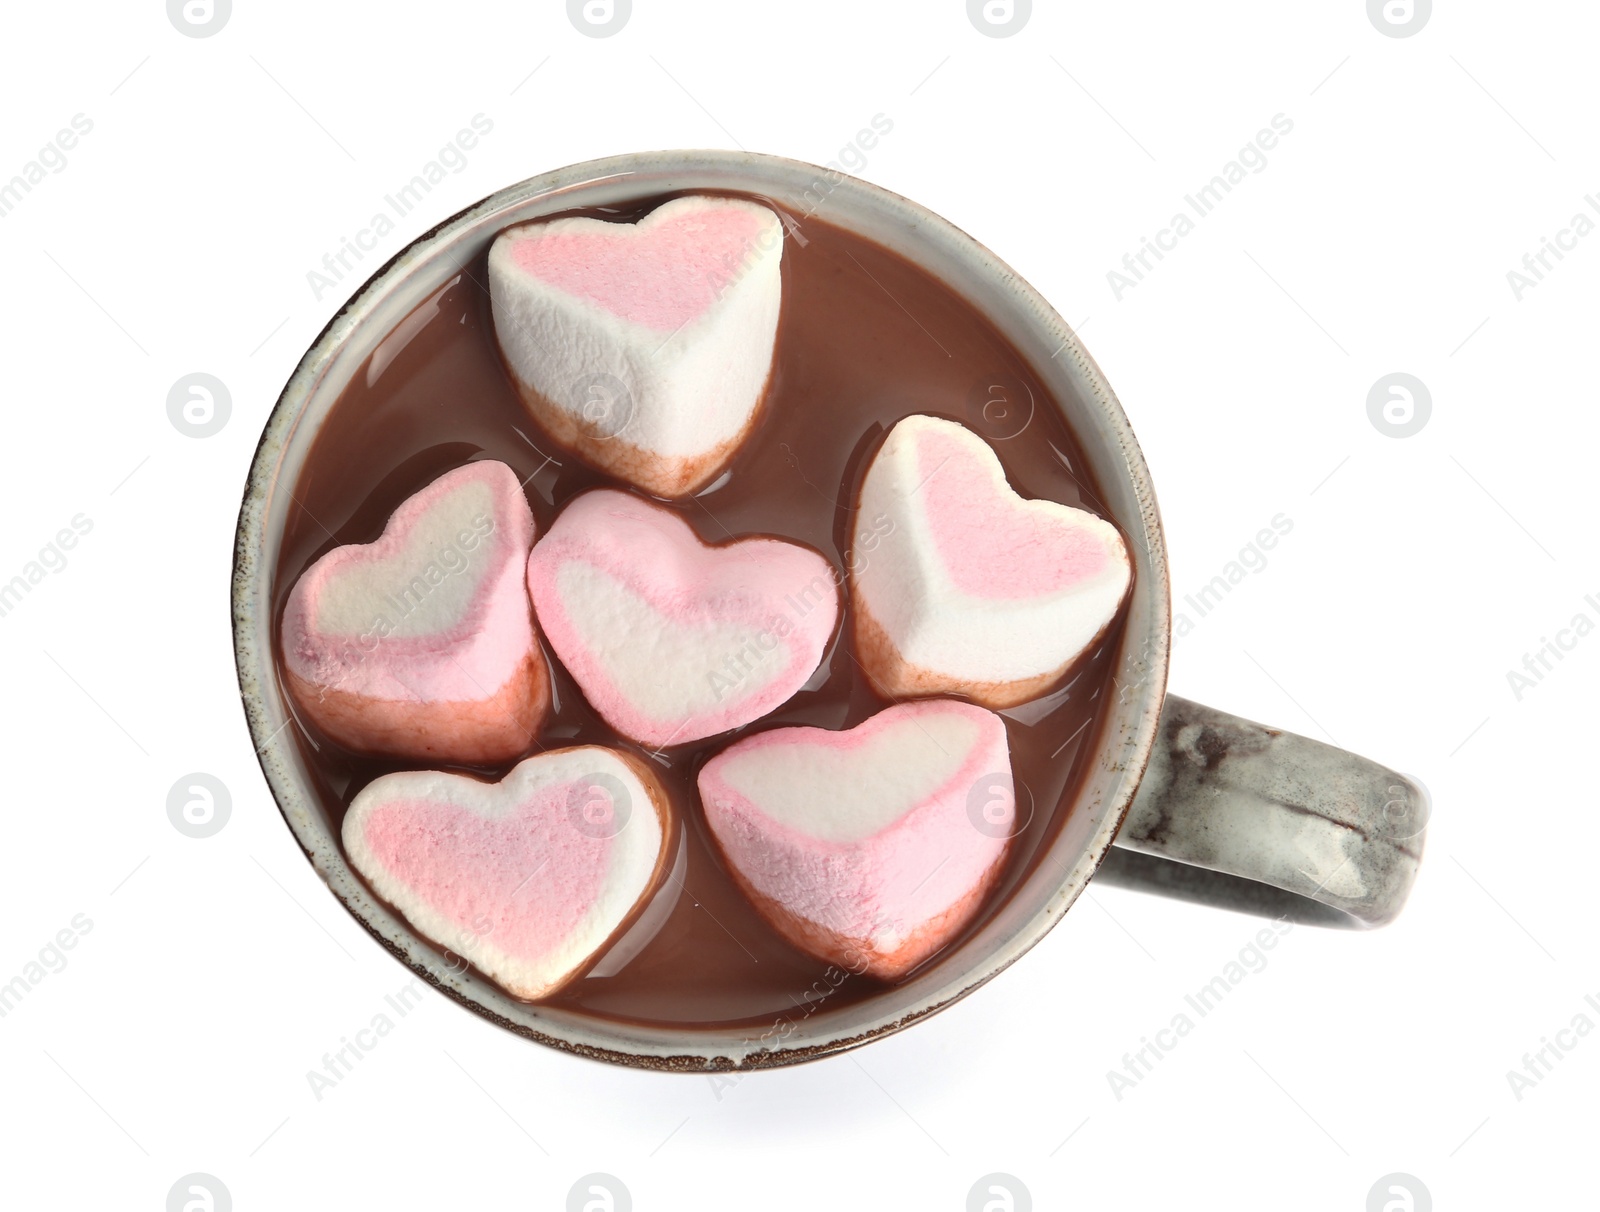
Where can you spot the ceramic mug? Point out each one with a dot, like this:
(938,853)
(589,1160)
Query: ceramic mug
(1166,776)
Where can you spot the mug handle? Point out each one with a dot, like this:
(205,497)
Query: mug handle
(1232,796)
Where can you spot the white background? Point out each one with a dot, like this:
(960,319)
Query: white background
(1418,573)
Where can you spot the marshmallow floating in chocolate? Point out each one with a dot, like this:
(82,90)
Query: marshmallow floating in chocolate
(672,639)
(421,644)
(645,347)
(960,586)
(868,848)
(528,878)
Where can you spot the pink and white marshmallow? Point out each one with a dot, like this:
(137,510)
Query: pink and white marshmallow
(869,848)
(529,878)
(960,586)
(672,639)
(645,347)
(421,644)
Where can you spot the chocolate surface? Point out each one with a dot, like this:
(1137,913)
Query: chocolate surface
(865,338)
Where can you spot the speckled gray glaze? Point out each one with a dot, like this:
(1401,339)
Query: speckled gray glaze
(1114,767)
(1232,796)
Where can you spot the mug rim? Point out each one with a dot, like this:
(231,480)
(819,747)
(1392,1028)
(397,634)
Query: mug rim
(1125,731)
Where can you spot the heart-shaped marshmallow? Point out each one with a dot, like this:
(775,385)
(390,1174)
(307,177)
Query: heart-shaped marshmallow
(421,643)
(528,878)
(672,639)
(645,347)
(869,848)
(960,585)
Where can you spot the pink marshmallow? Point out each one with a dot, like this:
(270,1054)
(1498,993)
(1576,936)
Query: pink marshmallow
(529,878)
(645,347)
(963,587)
(421,644)
(869,848)
(670,639)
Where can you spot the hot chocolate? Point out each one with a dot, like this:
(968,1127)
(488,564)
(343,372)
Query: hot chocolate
(864,339)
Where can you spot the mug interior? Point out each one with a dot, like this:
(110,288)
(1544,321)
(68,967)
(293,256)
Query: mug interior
(1125,732)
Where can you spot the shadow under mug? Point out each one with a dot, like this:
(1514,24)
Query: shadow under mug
(1260,812)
